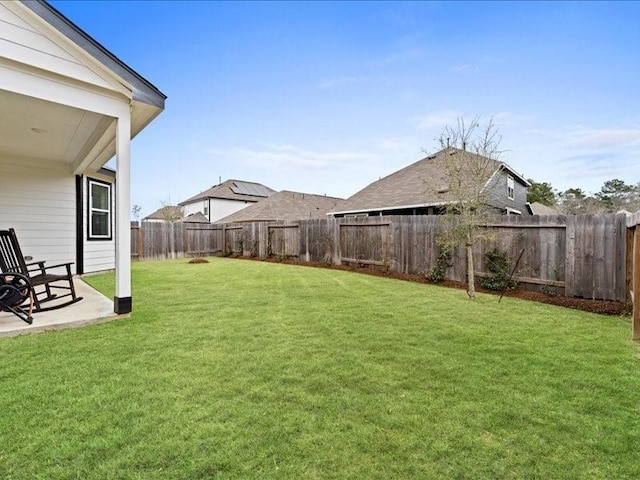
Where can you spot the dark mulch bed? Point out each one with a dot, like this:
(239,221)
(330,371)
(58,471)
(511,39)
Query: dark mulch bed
(604,307)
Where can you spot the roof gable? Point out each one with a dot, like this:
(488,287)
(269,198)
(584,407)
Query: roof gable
(422,183)
(109,65)
(27,38)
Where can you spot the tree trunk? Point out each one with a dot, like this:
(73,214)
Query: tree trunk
(471,282)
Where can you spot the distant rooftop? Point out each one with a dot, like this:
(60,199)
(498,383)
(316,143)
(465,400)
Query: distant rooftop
(286,205)
(234,190)
(166,213)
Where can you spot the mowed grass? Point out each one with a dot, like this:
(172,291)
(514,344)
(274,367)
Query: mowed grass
(241,369)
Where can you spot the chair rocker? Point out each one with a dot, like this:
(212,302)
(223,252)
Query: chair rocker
(15,291)
(13,262)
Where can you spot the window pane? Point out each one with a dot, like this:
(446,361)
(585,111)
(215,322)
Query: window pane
(100,224)
(100,196)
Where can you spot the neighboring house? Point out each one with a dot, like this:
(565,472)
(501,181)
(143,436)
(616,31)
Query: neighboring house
(168,213)
(421,189)
(197,217)
(286,205)
(174,214)
(67,106)
(226,198)
(537,208)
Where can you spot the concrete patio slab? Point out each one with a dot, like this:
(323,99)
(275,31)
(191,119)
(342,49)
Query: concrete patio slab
(93,308)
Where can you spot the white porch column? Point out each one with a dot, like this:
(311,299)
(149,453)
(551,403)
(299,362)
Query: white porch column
(122,301)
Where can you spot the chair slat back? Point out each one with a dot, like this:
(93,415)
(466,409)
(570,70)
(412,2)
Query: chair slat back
(11,258)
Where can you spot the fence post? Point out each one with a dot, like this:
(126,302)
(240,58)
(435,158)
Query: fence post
(140,242)
(636,283)
(570,249)
(337,255)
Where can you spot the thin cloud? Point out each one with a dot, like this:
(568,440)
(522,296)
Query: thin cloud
(605,138)
(601,166)
(438,119)
(509,119)
(463,68)
(289,156)
(403,56)
(337,82)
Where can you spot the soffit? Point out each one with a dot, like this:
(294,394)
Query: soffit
(38,129)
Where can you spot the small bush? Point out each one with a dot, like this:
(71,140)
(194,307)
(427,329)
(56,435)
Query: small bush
(439,270)
(198,260)
(498,264)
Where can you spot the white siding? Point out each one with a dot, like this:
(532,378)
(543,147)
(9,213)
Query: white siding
(220,207)
(38,201)
(194,207)
(98,254)
(23,43)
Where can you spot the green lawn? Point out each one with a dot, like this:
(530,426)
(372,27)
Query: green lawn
(241,369)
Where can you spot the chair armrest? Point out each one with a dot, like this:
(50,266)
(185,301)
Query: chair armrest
(39,263)
(41,268)
(59,265)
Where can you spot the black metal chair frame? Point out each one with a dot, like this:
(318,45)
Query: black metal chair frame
(38,274)
(15,292)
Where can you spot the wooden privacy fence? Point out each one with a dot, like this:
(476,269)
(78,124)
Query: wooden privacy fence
(578,256)
(160,240)
(633,269)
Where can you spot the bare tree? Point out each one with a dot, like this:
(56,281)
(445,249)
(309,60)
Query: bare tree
(471,153)
(135,210)
(171,213)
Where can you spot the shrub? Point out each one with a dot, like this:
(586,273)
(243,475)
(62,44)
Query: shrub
(498,264)
(439,270)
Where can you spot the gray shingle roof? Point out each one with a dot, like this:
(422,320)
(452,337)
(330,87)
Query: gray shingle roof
(537,208)
(422,183)
(286,205)
(197,217)
(229,189)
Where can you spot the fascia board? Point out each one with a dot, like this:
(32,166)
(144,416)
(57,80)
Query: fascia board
(399,207)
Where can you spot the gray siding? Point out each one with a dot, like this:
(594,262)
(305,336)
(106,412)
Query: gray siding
(497,190)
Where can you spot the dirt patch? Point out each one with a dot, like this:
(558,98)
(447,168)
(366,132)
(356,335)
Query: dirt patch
(604,307)
(198,260)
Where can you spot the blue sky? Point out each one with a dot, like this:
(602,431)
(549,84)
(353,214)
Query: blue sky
(327,97)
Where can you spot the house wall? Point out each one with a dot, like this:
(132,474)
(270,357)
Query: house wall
(38,200)
(497,189)
(98,254)
(194,207)
(220,207)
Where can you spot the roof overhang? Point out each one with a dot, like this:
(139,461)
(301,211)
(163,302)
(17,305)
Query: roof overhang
(50,115)
(390,208)
(143,91)
(506,167)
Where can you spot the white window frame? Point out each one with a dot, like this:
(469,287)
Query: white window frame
(510,187)
(91,209)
